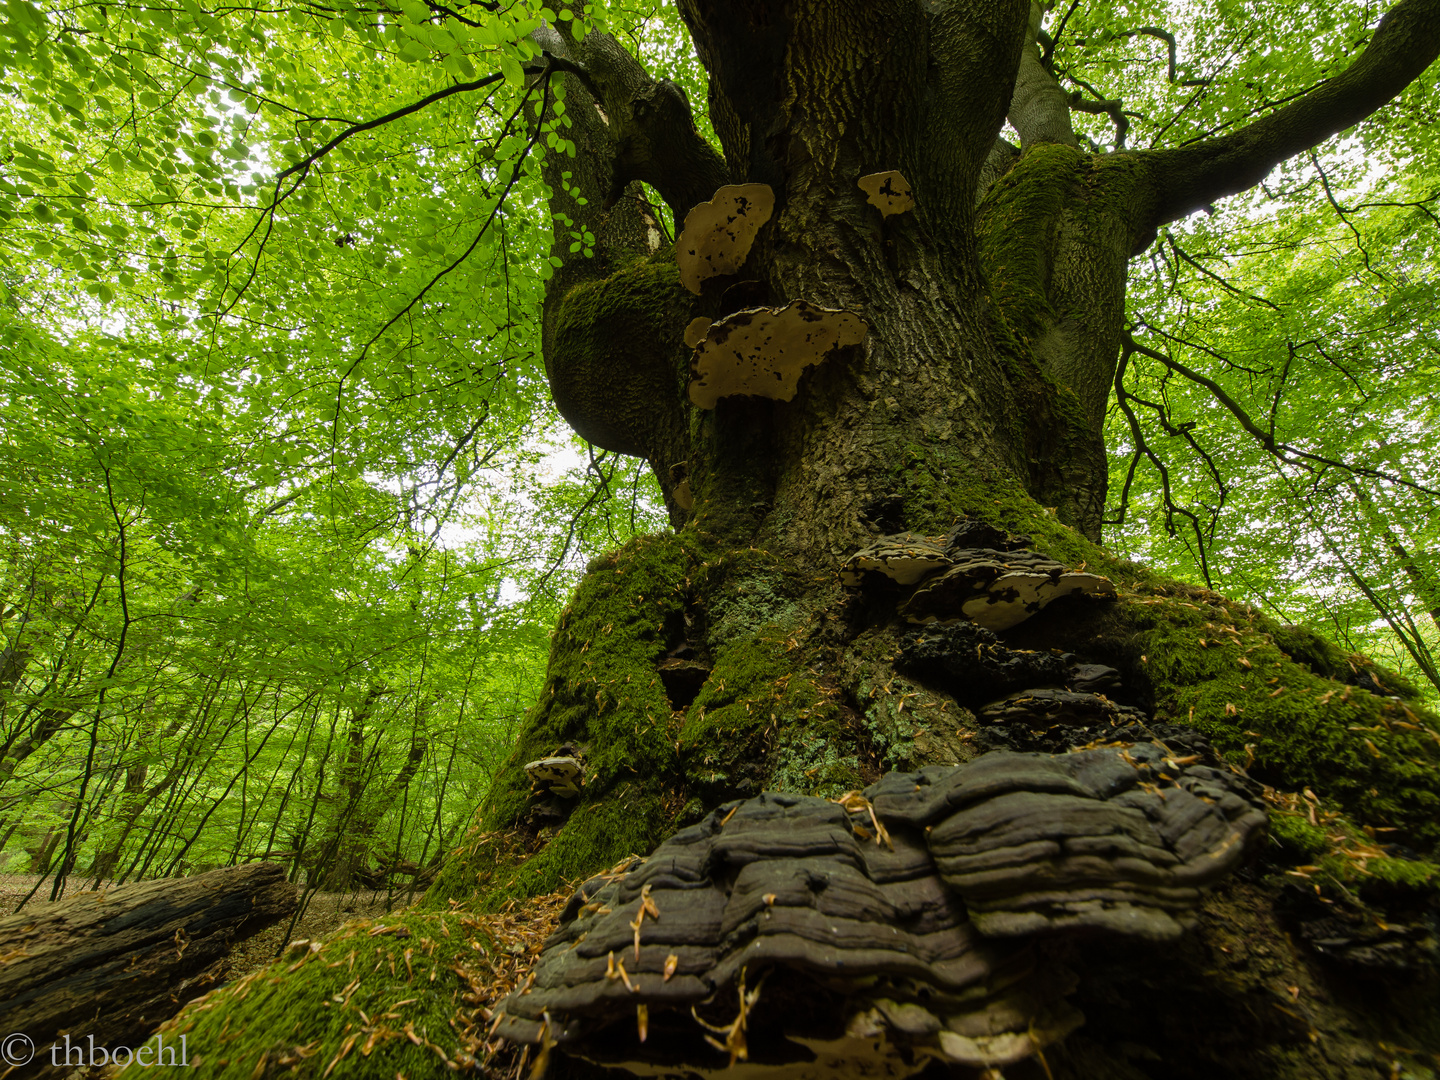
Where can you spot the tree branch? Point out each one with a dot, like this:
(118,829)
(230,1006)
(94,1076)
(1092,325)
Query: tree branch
(1283,451)
(1039,110)
(1189,177)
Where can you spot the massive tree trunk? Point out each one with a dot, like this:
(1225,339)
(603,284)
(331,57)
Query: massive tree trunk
(730,658)
(994,311)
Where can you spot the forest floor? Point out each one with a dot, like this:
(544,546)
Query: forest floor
(324,913)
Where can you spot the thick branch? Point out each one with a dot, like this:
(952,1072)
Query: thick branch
(649,122)
(1189,177)
(1039,110)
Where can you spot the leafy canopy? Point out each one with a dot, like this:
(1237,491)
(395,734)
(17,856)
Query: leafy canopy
(269,346)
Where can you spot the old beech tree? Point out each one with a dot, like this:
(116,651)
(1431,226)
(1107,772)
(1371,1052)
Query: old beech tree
(729,658)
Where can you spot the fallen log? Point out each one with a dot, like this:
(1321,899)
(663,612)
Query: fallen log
(105,968)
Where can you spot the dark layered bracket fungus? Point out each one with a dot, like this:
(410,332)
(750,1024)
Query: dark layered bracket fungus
(560,775)
(1120,839)
(1045,707)
(889,191)
(998,589)
(718,234)
(886,929)
(763,351)
(902,557)
(970,662)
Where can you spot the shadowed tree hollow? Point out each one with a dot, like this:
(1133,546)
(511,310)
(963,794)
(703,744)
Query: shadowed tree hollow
(889,326)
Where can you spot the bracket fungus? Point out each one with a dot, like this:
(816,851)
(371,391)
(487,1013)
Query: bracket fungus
(885,930)
(902,557)
(971,661)
(889,191)
(763,351)
(1046,706)
(561,775)
(995,587)
(998,589)
(695,331)
(718,234)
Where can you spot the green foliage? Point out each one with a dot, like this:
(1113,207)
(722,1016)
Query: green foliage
(1309,300)
(251,646)
(275,419)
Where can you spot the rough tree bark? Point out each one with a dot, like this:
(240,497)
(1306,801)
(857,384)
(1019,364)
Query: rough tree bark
(995,311)
(728,658)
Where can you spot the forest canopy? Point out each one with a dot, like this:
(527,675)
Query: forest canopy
(284,519)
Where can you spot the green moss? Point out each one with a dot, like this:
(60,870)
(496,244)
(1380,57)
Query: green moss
(1341,852)
(747,591)
(1017,222)
(312,1009)
(808,762)
(1326,658)
(1014,226)
(597,835)
(1409,873)
(1298,837)
(939,491)
(614,366)
(754,690)
(1217,667)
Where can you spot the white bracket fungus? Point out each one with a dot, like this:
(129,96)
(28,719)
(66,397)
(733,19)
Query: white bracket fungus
(992,588)
(558,775)
(903,557)
(717,235)
(995,595)
(889,191)
(762,351)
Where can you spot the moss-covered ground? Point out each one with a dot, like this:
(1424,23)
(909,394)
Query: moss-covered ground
(398,995)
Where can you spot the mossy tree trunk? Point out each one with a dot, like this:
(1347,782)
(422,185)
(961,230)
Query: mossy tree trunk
(995,310)
(727,658)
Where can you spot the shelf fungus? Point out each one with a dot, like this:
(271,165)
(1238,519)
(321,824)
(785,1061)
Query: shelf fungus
(995,587)
(971,662)
(790,943)
(763,351)
(998,589)
(902,557)
(718,234)
(889,191)
(561,775)
(1046,706)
